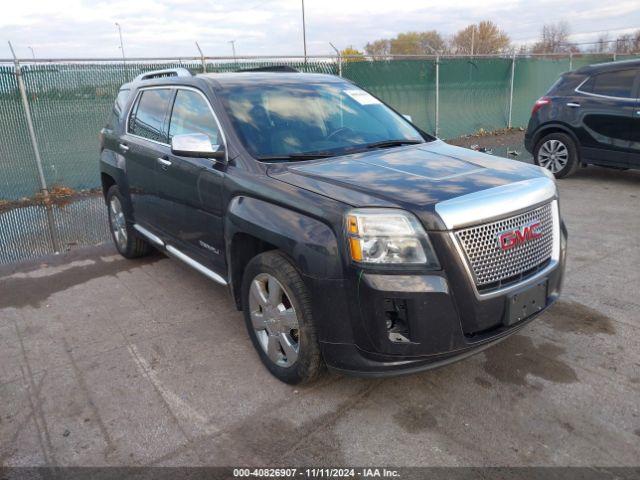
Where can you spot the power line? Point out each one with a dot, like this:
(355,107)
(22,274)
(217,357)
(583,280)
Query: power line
(589,33)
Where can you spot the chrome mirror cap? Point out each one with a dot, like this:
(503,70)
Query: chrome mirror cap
(195,145)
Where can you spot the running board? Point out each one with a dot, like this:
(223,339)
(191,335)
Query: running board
(155,239)
(181,256)
(197,265)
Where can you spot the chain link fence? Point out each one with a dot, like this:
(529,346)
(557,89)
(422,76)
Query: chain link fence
(70,101)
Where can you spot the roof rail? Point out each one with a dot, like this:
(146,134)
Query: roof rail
(272,68)
(168,72)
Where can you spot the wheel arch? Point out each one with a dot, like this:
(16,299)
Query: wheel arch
(253,226)
(550,128)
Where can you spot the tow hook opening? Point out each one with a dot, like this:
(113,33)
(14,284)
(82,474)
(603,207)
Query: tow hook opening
(396,318)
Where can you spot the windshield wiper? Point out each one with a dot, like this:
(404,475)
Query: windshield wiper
(295,156)
(391,143)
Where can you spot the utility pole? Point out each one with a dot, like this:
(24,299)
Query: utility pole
(33,54)
(304,34)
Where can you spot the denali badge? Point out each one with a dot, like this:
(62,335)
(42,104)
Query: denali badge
(518,236)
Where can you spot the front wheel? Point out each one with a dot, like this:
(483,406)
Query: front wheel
(557,153)
(277,312)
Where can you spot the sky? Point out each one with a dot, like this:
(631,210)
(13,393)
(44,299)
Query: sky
(169,28)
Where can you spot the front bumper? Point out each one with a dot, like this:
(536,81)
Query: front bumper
(438,319)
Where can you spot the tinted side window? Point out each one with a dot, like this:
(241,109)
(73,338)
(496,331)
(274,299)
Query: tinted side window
(118,108)
(611,84)
(191,114)
(147,117)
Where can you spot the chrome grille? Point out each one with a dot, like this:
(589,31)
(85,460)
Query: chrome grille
(490,264)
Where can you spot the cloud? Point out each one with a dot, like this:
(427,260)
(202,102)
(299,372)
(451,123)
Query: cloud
(152,28)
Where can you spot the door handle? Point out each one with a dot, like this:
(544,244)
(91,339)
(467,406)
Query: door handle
(124,147)
(573,104)
(164,163)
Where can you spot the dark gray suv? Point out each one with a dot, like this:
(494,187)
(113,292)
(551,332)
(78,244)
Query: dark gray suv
(589,116)
(347,236)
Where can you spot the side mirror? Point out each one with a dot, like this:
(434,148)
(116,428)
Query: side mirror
(408,117)
(196,145)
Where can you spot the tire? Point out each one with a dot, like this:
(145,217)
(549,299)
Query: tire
(552,149)
(291,354)
(127,241)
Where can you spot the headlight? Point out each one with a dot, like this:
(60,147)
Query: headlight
(388,237)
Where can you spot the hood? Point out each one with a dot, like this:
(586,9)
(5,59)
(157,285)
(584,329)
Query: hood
(415,177)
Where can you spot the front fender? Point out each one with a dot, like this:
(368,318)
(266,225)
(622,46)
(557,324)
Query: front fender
(311,244)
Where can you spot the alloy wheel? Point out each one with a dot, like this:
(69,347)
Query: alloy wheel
(274,320)
(118,223)
(553,155)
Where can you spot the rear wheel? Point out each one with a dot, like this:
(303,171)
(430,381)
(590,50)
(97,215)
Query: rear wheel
(557,153)
(277,311)
(127,241)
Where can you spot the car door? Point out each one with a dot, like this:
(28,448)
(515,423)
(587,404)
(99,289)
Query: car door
(634,158)
(190,189)
(606,106)
(145,140)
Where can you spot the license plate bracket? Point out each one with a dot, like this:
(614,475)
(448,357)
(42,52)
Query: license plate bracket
(524,303)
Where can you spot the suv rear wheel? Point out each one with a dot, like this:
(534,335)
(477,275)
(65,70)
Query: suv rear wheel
(557,153)
(277,312)
(125,238)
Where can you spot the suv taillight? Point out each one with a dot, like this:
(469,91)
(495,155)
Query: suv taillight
(541,102)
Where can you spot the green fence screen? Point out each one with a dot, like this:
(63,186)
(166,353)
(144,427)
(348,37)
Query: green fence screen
(70,103)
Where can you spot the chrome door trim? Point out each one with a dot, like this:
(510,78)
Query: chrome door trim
(598,95)
(154,238)
(196,265)
(176,87)
(484,205)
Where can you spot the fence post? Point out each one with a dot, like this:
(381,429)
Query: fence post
(437,95)
(339,57)
(570,61)
(204,64)
(36,151)
(513,74)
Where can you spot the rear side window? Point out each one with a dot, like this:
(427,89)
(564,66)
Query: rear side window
(147,116)
(612,84)
(118,108)
(191,114)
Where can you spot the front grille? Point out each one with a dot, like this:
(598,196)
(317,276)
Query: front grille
(493,267)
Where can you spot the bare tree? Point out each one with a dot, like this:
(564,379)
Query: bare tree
(603,44)
(485,38)
(628,43)
(379,49)
(554,38)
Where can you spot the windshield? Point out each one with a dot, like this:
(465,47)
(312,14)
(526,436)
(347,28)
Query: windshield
(286,120)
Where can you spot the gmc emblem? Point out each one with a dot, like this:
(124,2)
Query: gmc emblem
(513,238)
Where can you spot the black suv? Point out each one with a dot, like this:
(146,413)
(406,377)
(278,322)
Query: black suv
(589,116)
(346,235)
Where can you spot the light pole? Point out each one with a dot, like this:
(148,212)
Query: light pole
(233,50)
(304,34)
(33,54)
(121,43)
